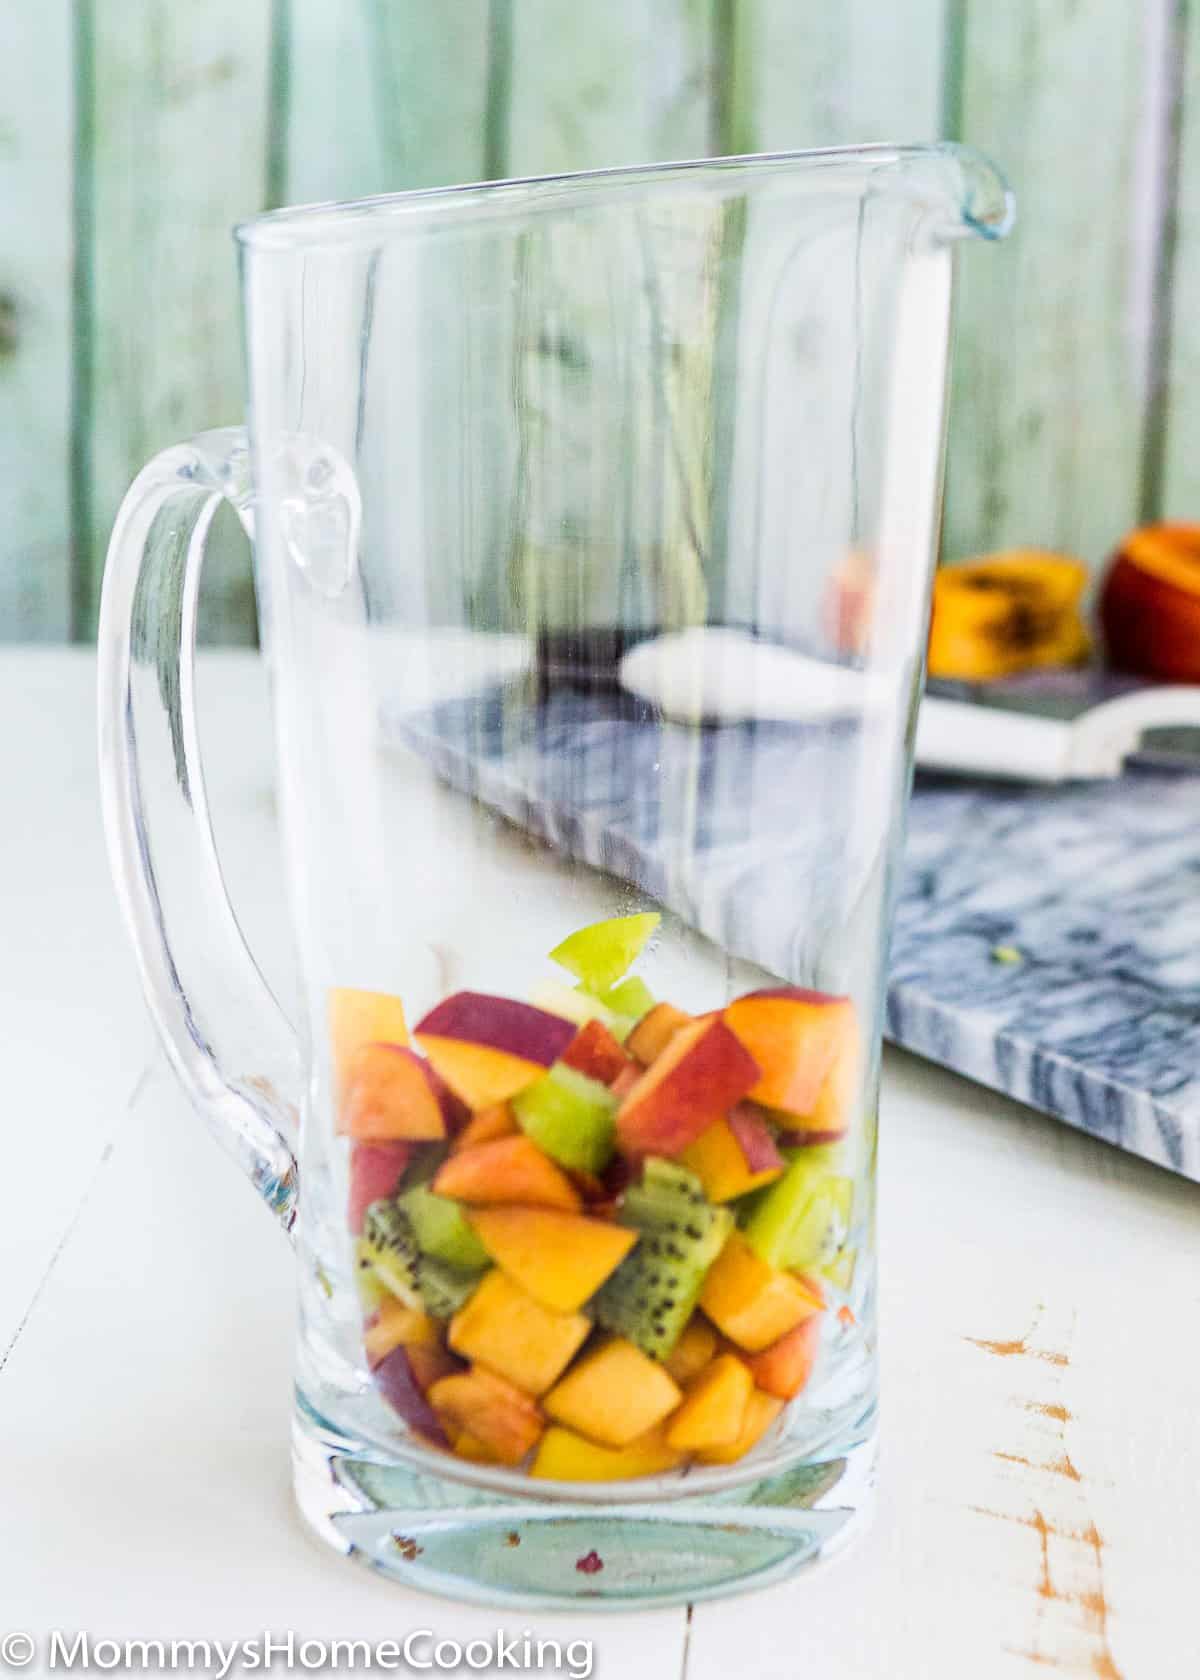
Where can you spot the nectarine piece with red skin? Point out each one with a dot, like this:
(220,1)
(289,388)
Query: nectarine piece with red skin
(396,1380)
(702,1072)
(795,1036)
(510,1169)
(595,1052)
(784,1368)
(488,1048)
(388,1095)
(655,1031)
(375,1171)
(491,1410)
(721,1157)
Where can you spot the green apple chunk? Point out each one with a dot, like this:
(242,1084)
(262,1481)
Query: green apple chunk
(802,1219)
(573,1003)
(442,1229)
(599,955)
(631,998)
(570,1117)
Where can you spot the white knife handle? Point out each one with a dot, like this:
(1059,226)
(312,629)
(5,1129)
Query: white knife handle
(984,741)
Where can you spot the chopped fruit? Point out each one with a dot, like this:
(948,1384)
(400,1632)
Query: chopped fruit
(632,998)
(692,1352)
(431,1364)
(358,1018)
(651,1036)
(751,1302)
(506,1330)
(802,1220)
(750,1127)
(375,1171)
(372,1291)
(840,1270)
(595,1052)
(388,1243)
(471,1448)
(1008,612)
(600,954)
(485,1127)
(512,1169)
(397,1325)
(718,1158)
(503,1419)
(761,1412)
(613,1395)
(625,1081)
(574,1004)
(395,1379)
(784,1367)
(650,1296)
(442,1229)
(566,1457)
(702,1072)
(570,1117)
(713,1408)
(1150,604)
(488,1048)
(834,1108)
(795,1037)
(419,1280)
(560,1258)
(455,1111)
(388,1095)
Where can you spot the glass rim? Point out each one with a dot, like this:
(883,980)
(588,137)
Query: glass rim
(966,193)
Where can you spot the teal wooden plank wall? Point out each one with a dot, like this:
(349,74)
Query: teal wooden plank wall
(133,133)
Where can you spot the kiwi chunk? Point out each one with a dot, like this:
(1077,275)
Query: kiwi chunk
(652,1293)
(570,1117)
(390,1244)
(442,1229)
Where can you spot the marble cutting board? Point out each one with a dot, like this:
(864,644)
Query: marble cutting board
(1047,940)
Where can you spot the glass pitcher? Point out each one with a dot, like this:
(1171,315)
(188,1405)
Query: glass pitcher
(593,520)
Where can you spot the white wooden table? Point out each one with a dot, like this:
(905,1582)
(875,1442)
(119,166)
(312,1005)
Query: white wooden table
(1040,1298)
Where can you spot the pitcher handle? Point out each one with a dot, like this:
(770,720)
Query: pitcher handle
(228,1039)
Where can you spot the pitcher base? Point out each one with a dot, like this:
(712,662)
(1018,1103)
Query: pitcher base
(443,1536)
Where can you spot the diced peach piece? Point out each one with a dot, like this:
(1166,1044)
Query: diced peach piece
(595,1052)
(396,1325)
(431,1364)
(719,1162)
(511,1169)
(561,1259)
(358,1018)
(761,1412)
(388,1095)
(613,1395)
(703,1071)
(692,1352)
(713,1408)
(468,1446)
(509,1332)
(505,1421)
(655,1031)
(785,1367)
(485,1127)
(834,1108)
(795,1036)
(489,1048)
(749,1301)
(375,1171)
(567,1457)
